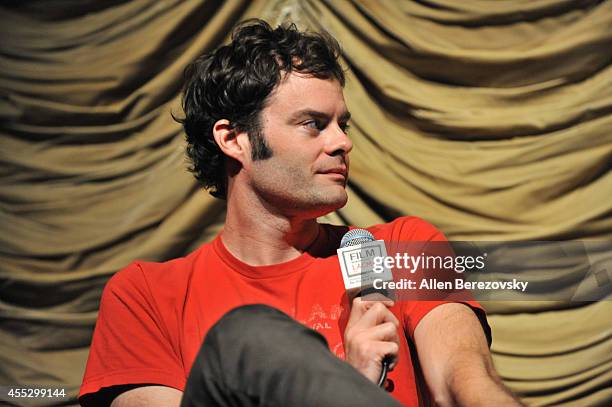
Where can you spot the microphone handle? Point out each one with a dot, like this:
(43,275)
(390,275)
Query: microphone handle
(385,368)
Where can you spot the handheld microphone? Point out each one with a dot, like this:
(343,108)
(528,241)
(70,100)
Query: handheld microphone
(358,248)
(356,236)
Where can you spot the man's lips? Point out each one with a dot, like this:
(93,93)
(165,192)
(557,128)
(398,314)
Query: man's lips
(340,171)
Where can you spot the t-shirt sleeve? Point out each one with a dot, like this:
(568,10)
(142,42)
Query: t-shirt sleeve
(415,229)
(130,344)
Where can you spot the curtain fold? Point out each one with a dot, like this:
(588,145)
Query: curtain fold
(491,120)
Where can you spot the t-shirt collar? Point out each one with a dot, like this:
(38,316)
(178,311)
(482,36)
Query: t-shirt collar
(274,270)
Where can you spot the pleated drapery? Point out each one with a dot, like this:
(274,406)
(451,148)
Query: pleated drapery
(491,120)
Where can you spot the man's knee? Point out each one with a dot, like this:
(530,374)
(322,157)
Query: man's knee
(245,326)
(259,328)
(247,318)
(229,340)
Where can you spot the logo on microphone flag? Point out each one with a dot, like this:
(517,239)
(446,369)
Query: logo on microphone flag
(357,264)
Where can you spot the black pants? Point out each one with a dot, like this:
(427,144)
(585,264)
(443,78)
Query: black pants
(258,356)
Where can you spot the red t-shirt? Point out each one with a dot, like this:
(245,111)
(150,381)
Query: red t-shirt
(154,316)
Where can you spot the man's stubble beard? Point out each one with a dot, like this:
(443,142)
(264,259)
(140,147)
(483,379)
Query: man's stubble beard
(306,200)
(291,191)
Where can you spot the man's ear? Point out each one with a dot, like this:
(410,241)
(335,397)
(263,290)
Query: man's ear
(232,142)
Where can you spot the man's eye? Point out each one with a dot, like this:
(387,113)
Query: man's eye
(345,127)
(315,124)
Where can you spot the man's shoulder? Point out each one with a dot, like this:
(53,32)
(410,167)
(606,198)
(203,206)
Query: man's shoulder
(407,228)
(147,276)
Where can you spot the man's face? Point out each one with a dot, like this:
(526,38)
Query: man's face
(304,125)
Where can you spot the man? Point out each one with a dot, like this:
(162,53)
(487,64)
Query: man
(266,122)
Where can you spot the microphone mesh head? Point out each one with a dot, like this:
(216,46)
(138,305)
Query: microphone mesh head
(356,236)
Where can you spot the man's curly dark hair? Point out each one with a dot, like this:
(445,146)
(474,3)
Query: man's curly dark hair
(234,82)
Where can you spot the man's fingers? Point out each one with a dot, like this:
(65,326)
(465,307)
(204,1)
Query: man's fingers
(392,349)
(384,332)
(376,314)
(376,296)
(386,339)
(388,349)
(360,306)
(357,310)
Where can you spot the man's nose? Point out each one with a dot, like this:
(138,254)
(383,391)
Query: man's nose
(340,143)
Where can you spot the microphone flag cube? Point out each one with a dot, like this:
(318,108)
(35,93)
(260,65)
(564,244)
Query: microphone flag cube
(357,264)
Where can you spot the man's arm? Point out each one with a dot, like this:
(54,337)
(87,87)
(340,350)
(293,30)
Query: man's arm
(131,346)
(456,361)
(149,396)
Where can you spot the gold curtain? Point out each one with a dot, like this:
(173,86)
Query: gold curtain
(488,119)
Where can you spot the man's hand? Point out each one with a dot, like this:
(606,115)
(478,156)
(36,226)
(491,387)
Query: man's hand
(370,335)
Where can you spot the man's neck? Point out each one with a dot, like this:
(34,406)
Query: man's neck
(258,236)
